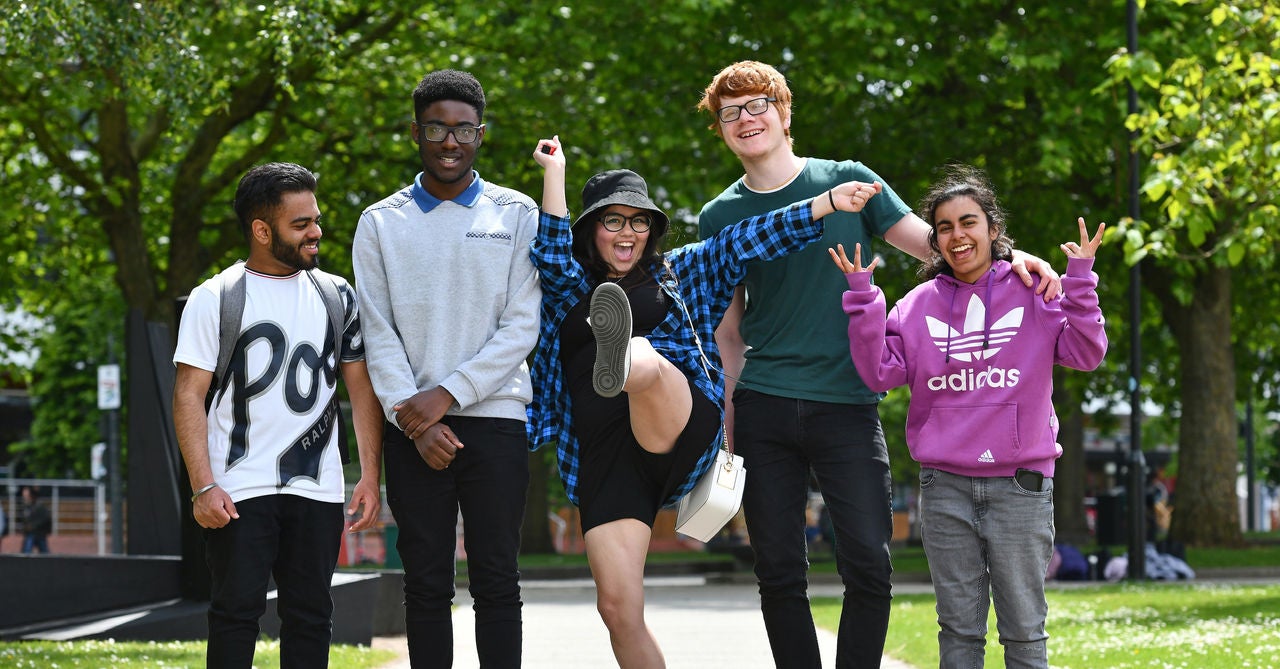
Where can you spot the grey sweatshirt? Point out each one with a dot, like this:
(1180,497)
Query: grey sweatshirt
(449,297)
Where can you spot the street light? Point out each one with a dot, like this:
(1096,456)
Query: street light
(1137,464)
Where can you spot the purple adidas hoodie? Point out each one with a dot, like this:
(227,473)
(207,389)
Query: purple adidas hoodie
(979,361)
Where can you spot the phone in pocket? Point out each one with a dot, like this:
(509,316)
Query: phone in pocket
(1029,479)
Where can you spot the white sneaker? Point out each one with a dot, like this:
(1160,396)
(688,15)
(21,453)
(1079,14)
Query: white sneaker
(610,320)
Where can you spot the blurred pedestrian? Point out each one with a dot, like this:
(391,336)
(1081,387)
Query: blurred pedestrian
(37,522)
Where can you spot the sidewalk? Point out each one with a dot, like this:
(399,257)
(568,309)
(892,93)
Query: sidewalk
(698,625)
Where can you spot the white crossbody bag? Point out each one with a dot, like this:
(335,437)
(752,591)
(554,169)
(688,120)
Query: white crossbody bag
(716,498)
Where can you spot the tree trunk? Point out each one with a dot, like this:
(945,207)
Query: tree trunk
(1068,477)
(1205,508)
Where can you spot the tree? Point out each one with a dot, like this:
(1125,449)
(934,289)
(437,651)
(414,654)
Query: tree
(1210,127)
(134,121)
(127,125)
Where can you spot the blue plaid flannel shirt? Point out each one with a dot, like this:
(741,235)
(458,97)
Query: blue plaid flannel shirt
(702,278)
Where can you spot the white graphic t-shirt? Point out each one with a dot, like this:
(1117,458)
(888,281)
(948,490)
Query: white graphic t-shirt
(273,424)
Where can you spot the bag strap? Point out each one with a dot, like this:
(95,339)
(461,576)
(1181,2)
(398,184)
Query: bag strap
(337,312)
(702,355)
(328,287)
(231,310)
(232,296)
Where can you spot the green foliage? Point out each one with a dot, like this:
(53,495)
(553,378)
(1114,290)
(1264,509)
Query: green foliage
(1214,137)
(65,376)
(1208,123)
(127,126)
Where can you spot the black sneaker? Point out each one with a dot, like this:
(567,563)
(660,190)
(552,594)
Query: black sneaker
(610,321)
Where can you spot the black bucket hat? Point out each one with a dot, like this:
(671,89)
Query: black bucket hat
(619,187)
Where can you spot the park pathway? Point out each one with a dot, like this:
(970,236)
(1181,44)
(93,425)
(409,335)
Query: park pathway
(699,625)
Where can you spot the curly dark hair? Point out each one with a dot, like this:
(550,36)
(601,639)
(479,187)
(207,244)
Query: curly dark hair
(448,85)
(962,180)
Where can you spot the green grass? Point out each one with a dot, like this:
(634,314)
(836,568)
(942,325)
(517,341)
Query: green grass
(1205,626)
(1255,555)
(160,655)
(911,559)
(906,560)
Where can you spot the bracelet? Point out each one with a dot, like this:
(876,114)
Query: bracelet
(203,490)
(832,200)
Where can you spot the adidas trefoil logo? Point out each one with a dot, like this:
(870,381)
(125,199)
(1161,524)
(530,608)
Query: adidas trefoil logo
(986,456)
(967,345)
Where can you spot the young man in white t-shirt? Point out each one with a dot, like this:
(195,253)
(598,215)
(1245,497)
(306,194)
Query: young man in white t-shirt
(263,454)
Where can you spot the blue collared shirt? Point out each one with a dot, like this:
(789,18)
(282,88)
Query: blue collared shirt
(700,279)
(466,198)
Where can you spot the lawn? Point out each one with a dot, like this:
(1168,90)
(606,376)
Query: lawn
(1166,625)
(159,655)
(911,559)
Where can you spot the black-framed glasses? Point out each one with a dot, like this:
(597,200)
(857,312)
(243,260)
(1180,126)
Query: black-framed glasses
(463,134)
(756,107)
(614,222)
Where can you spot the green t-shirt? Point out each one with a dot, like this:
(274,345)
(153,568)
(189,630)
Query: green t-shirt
(796,332)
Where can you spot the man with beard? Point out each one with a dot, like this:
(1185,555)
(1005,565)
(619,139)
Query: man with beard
(261,441)
(449,305)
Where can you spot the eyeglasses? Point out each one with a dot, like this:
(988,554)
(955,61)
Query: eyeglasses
(756,107)
(463,134)
(614,222)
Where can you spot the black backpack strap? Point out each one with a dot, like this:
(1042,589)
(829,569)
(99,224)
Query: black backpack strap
(328,288)
(231,309)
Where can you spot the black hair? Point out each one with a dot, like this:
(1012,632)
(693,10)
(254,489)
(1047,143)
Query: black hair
(262,188)
(584,249)
(957,181)
(448,85)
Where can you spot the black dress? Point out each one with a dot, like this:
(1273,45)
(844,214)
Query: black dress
(618,478)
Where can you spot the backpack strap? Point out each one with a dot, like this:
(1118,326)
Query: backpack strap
(337,311)
(231,310)
(231,313)
(328,287)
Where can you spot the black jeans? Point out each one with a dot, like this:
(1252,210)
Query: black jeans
(294,539)
(781,439)
(487,481)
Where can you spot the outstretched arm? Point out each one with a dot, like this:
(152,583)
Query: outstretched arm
(911,236)
(550,156)
(848,196)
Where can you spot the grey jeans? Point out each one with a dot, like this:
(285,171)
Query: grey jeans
(987,538)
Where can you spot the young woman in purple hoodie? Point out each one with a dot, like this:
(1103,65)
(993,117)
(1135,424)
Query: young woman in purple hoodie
(977,348)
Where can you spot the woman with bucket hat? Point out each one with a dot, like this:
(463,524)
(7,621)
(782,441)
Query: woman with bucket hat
(627,377)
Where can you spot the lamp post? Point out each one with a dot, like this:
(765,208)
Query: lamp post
(1137,463)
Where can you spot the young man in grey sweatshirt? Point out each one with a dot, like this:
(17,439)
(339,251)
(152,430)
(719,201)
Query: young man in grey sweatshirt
(449,302)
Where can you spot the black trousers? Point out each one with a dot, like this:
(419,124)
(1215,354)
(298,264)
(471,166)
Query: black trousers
(294,539)
(783,439)
(487,482)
